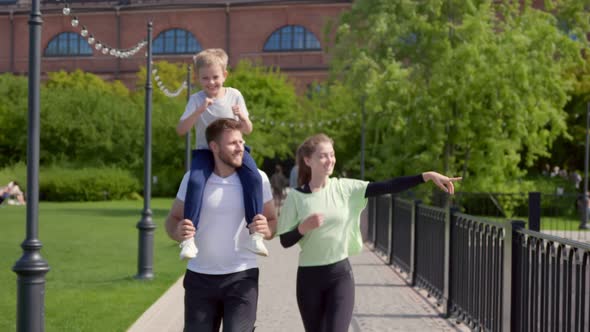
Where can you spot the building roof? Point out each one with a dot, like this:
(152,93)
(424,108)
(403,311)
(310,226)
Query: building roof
(88,5)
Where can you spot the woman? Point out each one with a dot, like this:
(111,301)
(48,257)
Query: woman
(322,215)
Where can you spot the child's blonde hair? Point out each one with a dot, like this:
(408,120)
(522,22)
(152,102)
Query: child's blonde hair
(211,57)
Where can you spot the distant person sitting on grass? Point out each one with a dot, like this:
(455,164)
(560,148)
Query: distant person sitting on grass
(12,193)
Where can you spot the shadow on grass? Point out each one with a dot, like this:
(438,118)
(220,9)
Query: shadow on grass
(126,278)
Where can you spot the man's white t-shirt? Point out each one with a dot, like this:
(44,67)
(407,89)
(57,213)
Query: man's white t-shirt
(221,108)
(222,232)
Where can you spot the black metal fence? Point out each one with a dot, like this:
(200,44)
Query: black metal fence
(560,214)
(491,275)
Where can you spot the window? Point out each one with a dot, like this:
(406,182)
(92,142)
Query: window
(68,44)
(176,41)
(292,38)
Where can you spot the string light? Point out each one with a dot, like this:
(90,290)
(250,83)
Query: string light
(84,32)
(302,125)
(164,89)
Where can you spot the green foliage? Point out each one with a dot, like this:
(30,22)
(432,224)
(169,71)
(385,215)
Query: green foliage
(86,184)
(13,118)
(90,122)
(449,86)
(272,103)
(270,98)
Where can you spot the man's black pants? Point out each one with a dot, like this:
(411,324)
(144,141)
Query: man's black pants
(209,299)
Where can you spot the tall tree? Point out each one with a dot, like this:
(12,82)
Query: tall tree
(474,88)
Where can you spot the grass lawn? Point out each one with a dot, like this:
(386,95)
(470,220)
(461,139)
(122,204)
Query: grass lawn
(92,252)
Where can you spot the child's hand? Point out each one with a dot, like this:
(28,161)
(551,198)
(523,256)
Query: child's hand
(208,101)
(238,112)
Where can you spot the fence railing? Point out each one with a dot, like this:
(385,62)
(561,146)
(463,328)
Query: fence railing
(556,214)
(492,275)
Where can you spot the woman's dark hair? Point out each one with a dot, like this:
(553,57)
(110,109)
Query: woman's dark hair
(306,149)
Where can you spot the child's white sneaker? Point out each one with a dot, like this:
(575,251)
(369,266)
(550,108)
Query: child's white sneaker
(256,244)
(188,249)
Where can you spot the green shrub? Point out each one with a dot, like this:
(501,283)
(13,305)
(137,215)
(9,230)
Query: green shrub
(86,184)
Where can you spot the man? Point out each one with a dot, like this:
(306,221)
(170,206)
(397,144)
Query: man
(293,176)
(221,282)
(278,183)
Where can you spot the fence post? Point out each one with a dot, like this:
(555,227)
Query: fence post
(535,211)
(390,230)
(450,211)
(370,217)
(413,222)
(510,284)
(374,226)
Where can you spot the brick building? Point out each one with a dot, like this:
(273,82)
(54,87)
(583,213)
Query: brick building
(289,34)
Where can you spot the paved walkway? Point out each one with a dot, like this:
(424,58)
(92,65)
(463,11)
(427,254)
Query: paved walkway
(383,300)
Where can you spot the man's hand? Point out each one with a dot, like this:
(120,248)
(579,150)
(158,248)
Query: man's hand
(260,225)
(184,230)
(312,222)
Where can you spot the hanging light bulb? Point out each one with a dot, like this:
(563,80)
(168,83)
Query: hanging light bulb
(98,45)
(154,71)
(91,40)
(113,51)
(66,10)
(75,21)
(105,50)
(84,31)
(157,78)
(118,54)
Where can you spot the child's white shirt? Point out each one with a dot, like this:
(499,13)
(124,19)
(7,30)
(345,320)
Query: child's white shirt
(221,108)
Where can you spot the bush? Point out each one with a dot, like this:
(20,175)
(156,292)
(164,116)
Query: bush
(87,184)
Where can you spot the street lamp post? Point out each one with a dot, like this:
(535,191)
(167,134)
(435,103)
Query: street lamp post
(31,267)
(584,221)
(363,129)
(187,154)
(145,265)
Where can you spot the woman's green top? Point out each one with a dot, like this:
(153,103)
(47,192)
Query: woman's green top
(341,202)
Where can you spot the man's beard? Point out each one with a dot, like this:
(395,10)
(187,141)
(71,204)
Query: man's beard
(227,159)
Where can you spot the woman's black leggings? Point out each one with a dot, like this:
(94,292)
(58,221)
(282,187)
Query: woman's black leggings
(325,295)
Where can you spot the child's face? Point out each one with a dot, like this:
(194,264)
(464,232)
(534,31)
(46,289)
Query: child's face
(211,79)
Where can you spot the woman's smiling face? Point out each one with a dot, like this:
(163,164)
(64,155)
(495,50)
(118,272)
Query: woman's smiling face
(322,160)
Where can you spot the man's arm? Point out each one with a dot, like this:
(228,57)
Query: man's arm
(265,223)
(271,217)
(177,227)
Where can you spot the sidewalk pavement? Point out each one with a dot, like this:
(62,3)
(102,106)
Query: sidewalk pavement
(383,301)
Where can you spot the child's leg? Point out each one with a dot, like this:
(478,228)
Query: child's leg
(201,168)
(251,186)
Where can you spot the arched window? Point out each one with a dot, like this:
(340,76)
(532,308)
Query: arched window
(292,38)
(68,44)
(176,41)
